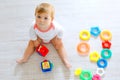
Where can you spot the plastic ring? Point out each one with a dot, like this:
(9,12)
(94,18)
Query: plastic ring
(106,44)
(84,35)
(100,71)
(106,35)
(94,56)
(102,63)
(95,31)
(78,71)
(96,77)
(86,75)
(106,53)
(83,48)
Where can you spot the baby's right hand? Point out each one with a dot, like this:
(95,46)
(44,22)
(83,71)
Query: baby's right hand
(36,43)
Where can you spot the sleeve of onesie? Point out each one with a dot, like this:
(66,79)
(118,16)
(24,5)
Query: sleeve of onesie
(60,31)
(32,33)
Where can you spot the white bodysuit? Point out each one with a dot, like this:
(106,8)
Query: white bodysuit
(54,30)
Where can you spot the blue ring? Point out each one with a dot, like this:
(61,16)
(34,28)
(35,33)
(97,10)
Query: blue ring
(95,31)
(100,65)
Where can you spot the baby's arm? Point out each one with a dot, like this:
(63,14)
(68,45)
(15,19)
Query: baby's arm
(33,35)
(59,29)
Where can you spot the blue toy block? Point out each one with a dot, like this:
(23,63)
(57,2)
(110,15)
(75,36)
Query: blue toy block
(46,66)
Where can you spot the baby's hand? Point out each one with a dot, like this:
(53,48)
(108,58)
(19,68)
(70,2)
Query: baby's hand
(36,43)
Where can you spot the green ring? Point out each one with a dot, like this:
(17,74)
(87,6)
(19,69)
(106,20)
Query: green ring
(108,52)
(86,75)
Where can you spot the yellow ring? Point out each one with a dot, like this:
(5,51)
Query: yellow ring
(94,56)
(106,35)
(78,71)
(84,35)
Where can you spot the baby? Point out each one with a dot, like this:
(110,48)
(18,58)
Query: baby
(45,30)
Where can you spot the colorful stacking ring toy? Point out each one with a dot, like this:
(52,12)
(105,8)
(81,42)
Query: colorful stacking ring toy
(106,44)
(78,71)
(106,35)
(102,63)
(83,48)
(95,31)
(86,75)
(94,56)
(106,53)
(100,71)
(84,35)
(96,77)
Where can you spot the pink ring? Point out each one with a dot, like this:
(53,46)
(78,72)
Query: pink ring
(96,77)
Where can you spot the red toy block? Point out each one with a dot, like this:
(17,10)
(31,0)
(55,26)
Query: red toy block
(42,50)
(106,44)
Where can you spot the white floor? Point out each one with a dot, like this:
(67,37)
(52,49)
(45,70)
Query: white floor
(16,17)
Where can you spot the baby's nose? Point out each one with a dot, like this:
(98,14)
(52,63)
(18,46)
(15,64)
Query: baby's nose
(41,20)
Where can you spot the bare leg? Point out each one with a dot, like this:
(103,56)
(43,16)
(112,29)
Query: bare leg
(62,53)
(29,51)
(57,43)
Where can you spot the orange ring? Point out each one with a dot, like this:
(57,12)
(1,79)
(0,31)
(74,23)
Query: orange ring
(83,48)
(106,35)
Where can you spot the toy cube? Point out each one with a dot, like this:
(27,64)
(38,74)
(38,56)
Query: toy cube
(42,50)
(46,66)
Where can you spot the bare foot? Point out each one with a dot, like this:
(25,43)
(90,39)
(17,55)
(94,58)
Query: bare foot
(21,60)
(67,64)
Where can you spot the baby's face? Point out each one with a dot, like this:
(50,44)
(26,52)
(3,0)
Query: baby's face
(43,20)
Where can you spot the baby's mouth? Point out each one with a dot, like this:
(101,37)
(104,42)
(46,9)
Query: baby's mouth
(41,24)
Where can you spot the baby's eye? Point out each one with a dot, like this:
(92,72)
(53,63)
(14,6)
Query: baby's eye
(46,18)
(38,16)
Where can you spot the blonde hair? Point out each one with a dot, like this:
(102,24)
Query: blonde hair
(45,8)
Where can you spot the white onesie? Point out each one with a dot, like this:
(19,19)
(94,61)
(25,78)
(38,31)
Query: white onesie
(54,30)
